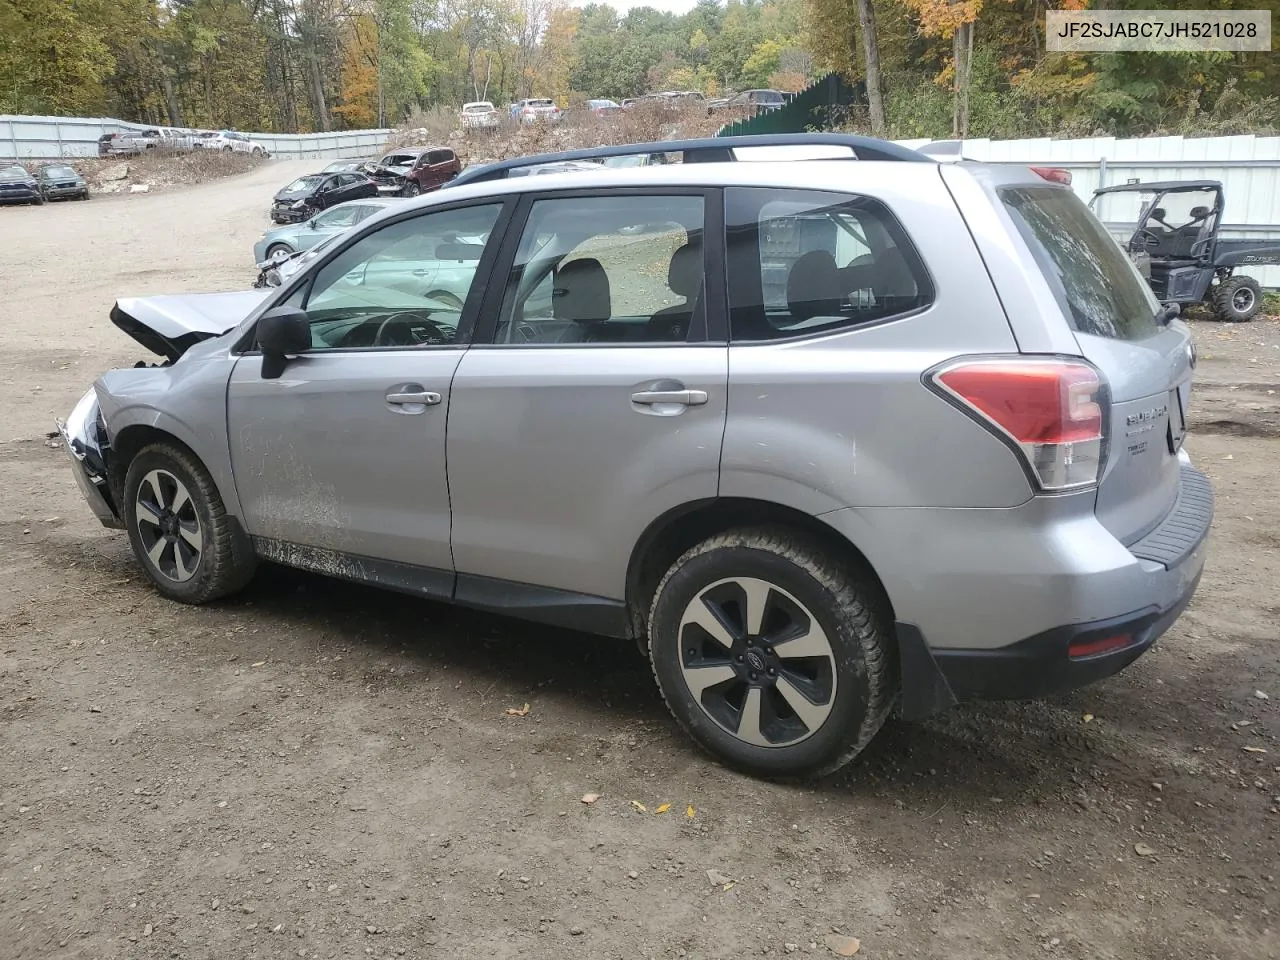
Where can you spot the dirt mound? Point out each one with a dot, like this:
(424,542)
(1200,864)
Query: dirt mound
(510,138)
(153,170)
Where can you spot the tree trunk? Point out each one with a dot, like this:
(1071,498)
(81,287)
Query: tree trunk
(170,98)
(962,53)
(871,55)
(317,90)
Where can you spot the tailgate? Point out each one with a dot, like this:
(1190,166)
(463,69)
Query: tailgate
(1147,365)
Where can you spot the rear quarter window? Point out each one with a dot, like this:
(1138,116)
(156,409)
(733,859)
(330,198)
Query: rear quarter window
(1099,290)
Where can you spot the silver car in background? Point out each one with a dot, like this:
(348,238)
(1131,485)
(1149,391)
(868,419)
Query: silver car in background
(823,436)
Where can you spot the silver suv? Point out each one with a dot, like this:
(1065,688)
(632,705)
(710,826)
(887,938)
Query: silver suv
(825,436)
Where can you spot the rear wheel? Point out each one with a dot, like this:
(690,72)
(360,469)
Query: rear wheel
(179,528)
(771,653)
(1237,299)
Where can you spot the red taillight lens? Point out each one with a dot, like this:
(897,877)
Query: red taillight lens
(1080,649)
(1056,174)
(1053,410)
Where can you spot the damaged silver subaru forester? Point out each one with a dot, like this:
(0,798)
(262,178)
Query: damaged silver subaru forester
(824,436)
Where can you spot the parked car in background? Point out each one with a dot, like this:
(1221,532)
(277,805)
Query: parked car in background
(17,185)
(750,101)
(533,110)
(629,102)
(152,138)
(230,141)
(296,237)
(58,181)
(410,171)
(603,108)
(308,195)
(346,166)
(104,144)
(480,115)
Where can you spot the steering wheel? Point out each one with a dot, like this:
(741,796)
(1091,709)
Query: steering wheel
(436,333)
(1149,239)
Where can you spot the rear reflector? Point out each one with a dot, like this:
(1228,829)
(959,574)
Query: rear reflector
(1055,174)
(1054,412)
(1093,648)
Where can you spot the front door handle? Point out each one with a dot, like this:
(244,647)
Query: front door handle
(689,398)
(427,397)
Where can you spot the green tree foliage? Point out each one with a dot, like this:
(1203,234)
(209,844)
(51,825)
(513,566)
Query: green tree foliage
(301,65)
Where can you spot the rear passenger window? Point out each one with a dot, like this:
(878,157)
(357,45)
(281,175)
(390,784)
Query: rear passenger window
(608,269)
(804,262)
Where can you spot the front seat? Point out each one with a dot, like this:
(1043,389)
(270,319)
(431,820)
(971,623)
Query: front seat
(684,277)
(581,294)
(813,286)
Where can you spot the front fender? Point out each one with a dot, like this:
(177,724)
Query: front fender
(187,401)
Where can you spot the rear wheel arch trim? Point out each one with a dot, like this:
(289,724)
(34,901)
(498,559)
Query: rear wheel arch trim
(667,537)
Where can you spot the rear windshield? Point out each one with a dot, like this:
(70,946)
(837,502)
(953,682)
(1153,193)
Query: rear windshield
(1097,287)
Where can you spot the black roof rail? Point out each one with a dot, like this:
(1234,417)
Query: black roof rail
(704,150)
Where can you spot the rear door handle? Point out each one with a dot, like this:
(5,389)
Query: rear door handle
(425,396)
(689,398)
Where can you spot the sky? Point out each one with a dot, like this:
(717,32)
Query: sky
(667,6)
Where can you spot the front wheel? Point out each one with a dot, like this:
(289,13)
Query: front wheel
(773,654)
(280,250)
(179,528)
(1237,299)
(411,189)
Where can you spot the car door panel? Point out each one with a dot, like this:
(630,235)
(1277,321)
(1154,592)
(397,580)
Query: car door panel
(559,455)
(344,453)
(337,466)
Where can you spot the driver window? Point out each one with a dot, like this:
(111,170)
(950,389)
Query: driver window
(403,285)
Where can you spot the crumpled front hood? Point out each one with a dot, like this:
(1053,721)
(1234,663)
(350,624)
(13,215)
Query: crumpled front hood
(293,195)
(170,325)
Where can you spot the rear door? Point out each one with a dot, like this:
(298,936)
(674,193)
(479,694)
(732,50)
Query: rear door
(598,402)
(1110,312)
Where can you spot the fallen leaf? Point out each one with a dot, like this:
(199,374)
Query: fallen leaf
(689,811)
(663,808)
(639,806)
(590,798)
(1142,850)
(841,945)
(518,711)
(1088,718)
(1254,750)
(719,879)
(260,663)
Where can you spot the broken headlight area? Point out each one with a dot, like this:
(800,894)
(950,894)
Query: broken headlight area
(85,438)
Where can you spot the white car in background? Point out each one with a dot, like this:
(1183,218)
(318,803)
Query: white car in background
(480,115)
(230,141)
(531,111)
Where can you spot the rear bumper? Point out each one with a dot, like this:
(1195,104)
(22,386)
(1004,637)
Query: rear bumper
(989,603)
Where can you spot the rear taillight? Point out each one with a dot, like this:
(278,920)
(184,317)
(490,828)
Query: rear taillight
(1053,412)
(1055,174)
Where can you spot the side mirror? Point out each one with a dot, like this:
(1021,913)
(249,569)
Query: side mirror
(282,332)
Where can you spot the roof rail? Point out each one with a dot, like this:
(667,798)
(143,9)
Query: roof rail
(704,150)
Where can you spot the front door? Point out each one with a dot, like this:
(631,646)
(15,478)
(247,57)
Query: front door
(340,462)
(598,402)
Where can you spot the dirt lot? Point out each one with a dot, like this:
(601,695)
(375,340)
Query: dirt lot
(318,769)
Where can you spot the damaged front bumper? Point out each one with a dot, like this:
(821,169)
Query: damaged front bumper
(85,440)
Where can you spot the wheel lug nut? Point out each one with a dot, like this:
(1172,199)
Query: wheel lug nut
(752,675)
(740,658)
(773,672)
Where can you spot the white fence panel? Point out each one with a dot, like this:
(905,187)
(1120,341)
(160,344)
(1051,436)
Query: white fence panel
(51,138)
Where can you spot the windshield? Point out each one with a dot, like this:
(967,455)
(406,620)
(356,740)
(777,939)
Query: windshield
(58,172)
(398,160)
(12,173)
(1097,287)
(766,96)
(304,183)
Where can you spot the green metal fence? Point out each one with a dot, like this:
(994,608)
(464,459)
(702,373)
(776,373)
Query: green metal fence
(817,107)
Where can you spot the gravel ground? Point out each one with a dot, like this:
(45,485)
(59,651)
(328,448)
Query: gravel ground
(318,769)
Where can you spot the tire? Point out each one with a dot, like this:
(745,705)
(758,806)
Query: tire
(410,189)
(277,248)
(1237,299)
(38,200)
(847,664)
(85,195)
(200,553)
(226,149)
